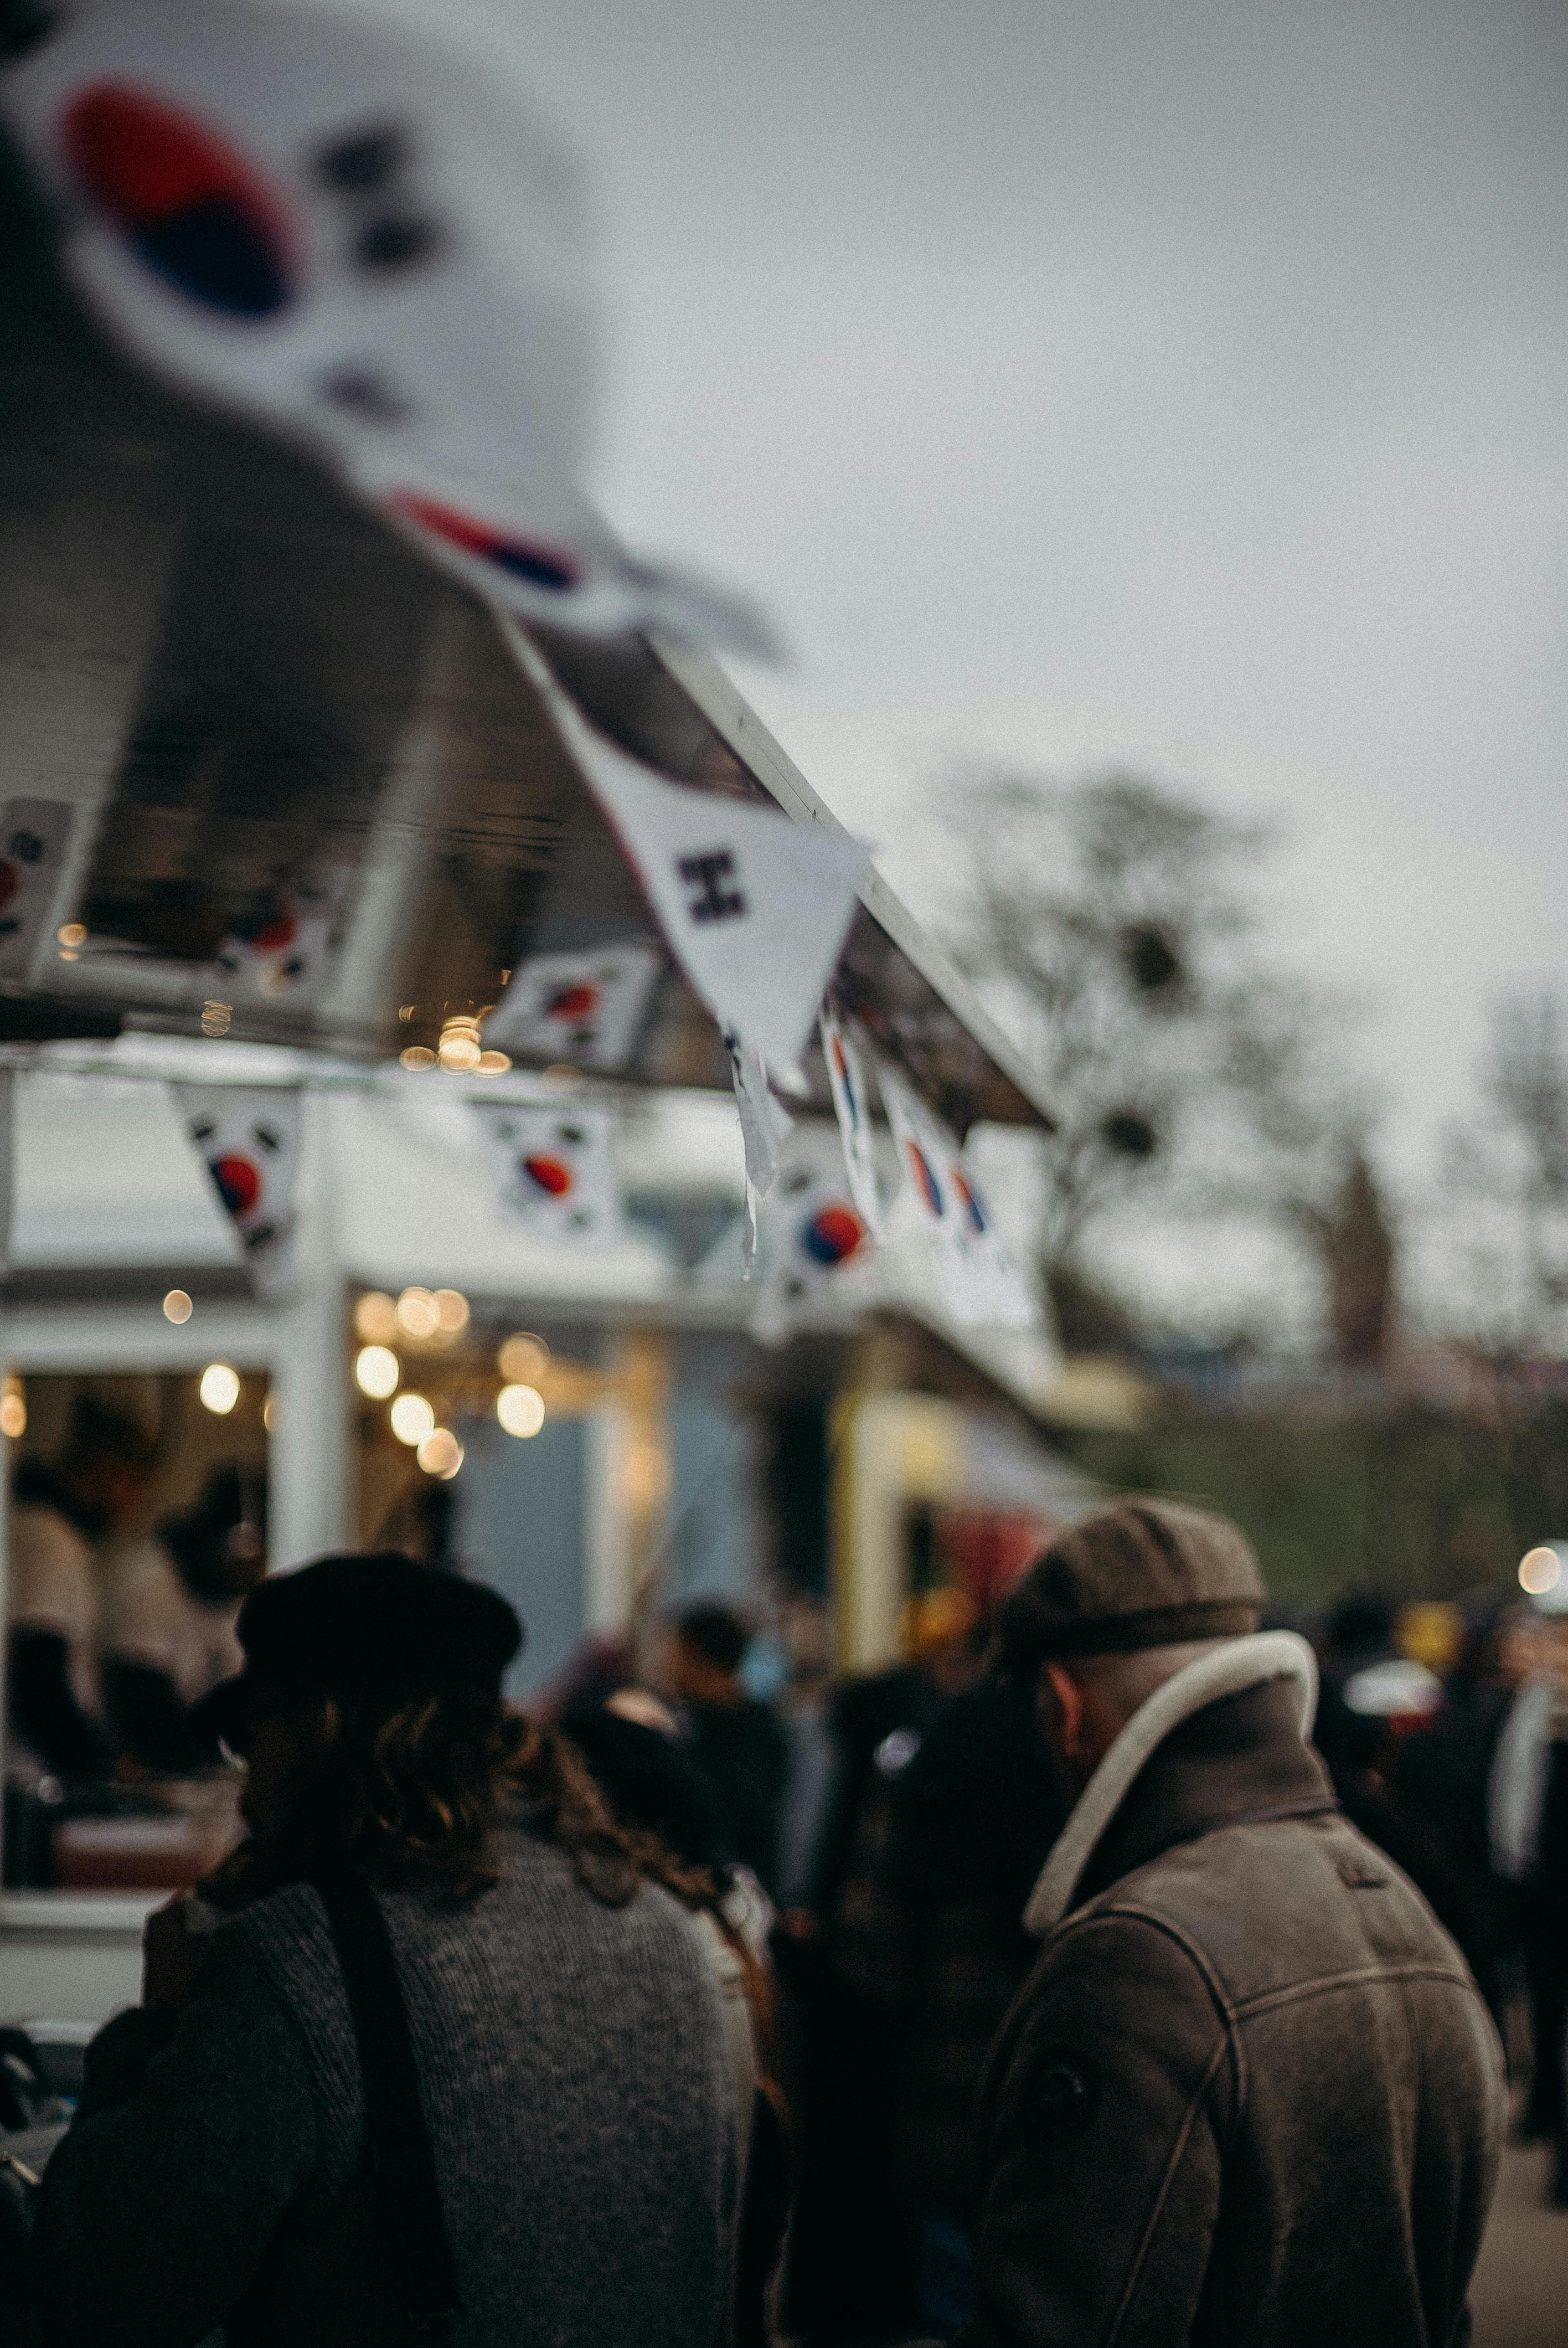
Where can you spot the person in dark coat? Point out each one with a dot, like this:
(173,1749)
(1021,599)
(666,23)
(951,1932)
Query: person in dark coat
(570,2051)
(843,1957)
(1249,2094)
(737,1743)
(972,1816)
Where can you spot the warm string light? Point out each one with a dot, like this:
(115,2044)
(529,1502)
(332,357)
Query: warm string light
(440,1453)
(218,1389)
(419,1314)
(377,1372)
(459,1049)
(411,1418)
(1540,1570)
(375,1319)
(177,1307)
(520,1410)
(13,1407)
(524,1359)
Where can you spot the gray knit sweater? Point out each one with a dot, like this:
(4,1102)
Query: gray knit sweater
(576,2078)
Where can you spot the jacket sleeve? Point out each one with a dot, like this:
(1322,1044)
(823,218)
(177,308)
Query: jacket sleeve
(158,2213)
(1102,2112)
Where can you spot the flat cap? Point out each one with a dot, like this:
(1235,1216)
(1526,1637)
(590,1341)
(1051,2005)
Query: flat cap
(377,1621)
(1140,1573)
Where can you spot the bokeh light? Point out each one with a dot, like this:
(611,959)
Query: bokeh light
(12,1408)
(419,1314)
(220,1388)
(451,1311)
(524,1359)
(377,1372)
(411,1418)
(177,1307)
(1539,1569)
(417,1056)
(440,1453)
(375,1319)
(520,1409)
(459,1048)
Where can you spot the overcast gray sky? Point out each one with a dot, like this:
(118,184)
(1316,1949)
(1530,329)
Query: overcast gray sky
(1181,386)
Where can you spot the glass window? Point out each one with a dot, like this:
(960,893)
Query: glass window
(136,1520)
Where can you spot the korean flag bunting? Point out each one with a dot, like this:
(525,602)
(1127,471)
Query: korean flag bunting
(816,1241)
(846,1076)
(283,958)
(1006,1299)
(587,1009)
(8,1163)
(554,1170)
(33,837)
(249,1135)
(366,240)
(756,907)
(981,1286)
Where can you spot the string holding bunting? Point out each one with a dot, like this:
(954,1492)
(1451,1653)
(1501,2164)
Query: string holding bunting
(367,242)
(249,1138)
(755,908)
(554,1169)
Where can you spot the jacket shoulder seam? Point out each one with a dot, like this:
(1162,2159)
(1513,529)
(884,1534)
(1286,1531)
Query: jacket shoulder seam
(1353,1977)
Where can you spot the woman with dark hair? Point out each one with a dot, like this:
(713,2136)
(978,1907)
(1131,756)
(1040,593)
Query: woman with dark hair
(450,2056)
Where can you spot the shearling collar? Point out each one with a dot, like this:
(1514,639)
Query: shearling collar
(1288,1781)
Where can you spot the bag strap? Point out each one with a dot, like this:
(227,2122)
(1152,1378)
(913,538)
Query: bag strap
(402,2161)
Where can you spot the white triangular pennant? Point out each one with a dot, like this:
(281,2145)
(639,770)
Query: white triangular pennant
(249,1135)
(755,908)
(846,1077)
(583,1008)
(367,240)
(554,1170)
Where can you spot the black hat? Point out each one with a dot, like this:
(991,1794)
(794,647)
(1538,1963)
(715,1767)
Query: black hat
(377,1622)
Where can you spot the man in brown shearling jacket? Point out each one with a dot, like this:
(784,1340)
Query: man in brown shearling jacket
(1249,2093)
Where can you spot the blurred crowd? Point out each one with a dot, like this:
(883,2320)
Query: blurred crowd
(887,1830)
(860,1850)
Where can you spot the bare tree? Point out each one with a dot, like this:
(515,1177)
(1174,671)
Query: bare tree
(1513,1161)
(1115,923)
